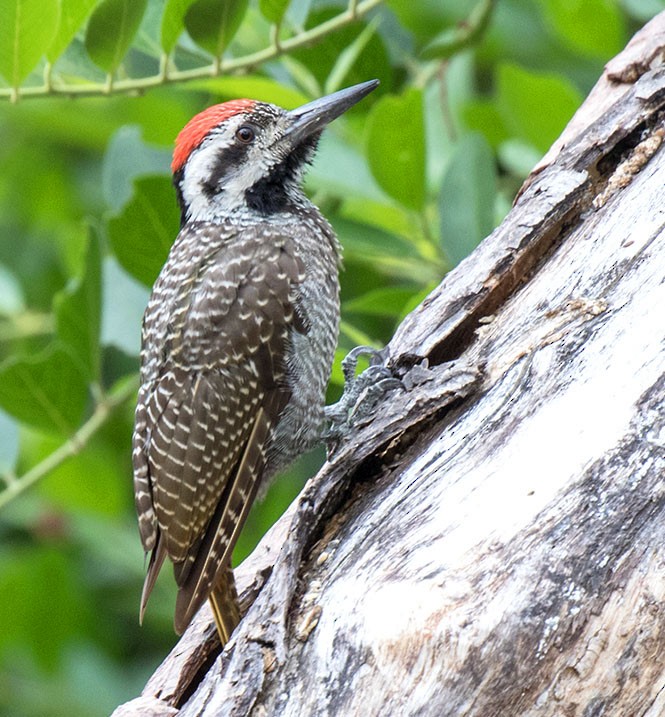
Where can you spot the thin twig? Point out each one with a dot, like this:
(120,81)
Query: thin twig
(103,411)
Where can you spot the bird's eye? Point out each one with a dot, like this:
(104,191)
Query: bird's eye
(245,134)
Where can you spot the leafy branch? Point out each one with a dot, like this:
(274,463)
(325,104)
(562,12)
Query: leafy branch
(355,10)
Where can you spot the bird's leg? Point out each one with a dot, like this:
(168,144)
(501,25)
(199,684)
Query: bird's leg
(361,394)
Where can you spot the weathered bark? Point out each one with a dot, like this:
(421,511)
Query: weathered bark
(493,542)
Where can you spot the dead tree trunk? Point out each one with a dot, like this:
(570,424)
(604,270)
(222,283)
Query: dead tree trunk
(493,542)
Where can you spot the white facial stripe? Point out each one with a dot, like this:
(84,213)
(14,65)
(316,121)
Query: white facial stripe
(202,166)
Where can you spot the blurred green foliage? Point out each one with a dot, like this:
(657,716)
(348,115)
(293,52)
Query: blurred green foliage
(472,94)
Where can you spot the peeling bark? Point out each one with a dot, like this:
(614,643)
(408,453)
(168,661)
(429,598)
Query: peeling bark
(493,542)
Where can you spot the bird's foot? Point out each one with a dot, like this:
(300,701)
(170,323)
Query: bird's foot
(361,394)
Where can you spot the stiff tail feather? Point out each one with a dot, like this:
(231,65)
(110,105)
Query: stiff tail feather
(224,603)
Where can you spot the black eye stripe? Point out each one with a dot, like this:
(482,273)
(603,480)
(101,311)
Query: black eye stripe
(227,160)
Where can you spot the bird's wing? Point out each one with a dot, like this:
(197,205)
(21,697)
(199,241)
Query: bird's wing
(209,416)
(223,530)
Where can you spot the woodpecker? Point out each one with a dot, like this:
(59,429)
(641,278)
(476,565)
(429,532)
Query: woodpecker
(238,340)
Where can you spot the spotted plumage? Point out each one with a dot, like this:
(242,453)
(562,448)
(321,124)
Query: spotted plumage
(237,343)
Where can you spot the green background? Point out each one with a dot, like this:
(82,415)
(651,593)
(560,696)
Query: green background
(472,94)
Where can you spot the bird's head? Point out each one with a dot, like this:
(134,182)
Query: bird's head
(248,156)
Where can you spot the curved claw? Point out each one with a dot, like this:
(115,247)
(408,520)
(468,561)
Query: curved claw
(350,361)
(361,393)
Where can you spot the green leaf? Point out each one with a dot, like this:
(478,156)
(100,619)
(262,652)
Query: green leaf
(379,252)
(111,29)
(336,375)
(78,310)
(341,170)
(348,57)
(41,626)
(173,22)
(454,39)
(518,157)
(425,18)
(302,75)
(467,197)
(534,106)
(380,302)
(417,298)
(396,147)
(212,24)
(593,27)
(87,482)
(273,10)
(320,58)
(26,30)
(72,16)
(255,87)
(363,239)
(47,391)
(390,218)
(483,116)
(142,235)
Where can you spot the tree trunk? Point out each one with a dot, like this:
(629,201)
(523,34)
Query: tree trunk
(493,542)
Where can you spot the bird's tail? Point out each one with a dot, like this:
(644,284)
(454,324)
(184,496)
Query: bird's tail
(224,603)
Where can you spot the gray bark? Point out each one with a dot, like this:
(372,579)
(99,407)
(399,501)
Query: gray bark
(493,541)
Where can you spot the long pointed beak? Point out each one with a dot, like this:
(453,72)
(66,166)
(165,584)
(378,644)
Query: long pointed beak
(314,116)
